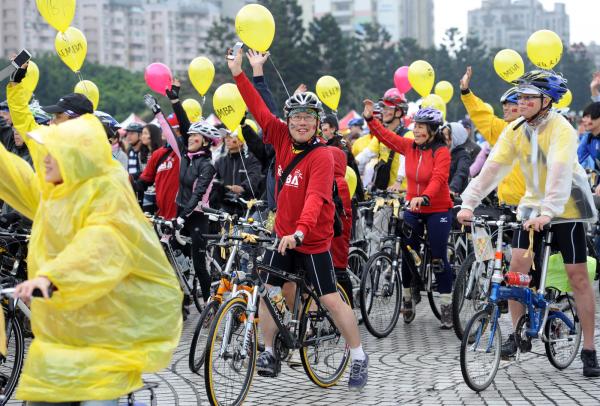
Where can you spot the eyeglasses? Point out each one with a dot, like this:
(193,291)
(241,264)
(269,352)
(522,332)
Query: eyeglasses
(298,118)
(527,97)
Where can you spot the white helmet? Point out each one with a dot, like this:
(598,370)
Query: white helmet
(206,130)
(307,100)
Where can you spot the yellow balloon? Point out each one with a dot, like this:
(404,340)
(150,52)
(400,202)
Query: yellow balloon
(421,77)
(252,124)
(544,49)
(90,90)
(509,65)
(351,180)
(32,78)
(57,13)
(201,72)
(489,107)
(435,101)
(445,90)
(229,105)
(71,47)
(565,101)
(193,109)
(255,25)
(329,91)
(238,132)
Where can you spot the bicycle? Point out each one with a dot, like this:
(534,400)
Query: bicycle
(550,315)
(381,284)
(232,345)
(226,285)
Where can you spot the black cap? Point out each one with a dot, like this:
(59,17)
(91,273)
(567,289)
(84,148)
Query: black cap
(73,102)
(134,127)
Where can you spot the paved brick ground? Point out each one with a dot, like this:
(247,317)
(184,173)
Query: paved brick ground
(418,364)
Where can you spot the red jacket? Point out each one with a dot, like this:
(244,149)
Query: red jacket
(340,246)
(427,168)
(305,201)
(165,179)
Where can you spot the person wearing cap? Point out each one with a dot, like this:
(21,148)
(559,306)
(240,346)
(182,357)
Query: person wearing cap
(133,133)
(70,106)
(114,314)
(557,193)
(470,145)
(512,188)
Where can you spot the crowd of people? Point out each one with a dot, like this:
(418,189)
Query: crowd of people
(86,200)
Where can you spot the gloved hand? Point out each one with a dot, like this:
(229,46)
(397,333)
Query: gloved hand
(180,222)
(173,92)
(18,75)
(152,103)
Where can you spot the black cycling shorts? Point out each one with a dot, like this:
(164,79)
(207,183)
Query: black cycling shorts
(568,238)
(318,267)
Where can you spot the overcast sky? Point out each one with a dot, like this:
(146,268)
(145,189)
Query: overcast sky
(584,15)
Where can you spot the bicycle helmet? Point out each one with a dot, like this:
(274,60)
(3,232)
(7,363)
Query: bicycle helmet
(545,82)
(206,130)
(510,96)
(429,115)
(303,101)
(359,122)
(394,98)
(134,127)
(111,126)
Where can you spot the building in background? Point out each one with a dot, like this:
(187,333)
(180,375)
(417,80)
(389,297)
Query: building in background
(126,33)
(508,23)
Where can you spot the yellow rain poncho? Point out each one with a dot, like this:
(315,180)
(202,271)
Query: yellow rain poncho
(117,310)
(556,185)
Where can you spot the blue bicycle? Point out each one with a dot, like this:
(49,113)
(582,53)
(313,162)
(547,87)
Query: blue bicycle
(550,315)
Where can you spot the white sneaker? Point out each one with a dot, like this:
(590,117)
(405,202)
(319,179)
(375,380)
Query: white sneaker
(294,359)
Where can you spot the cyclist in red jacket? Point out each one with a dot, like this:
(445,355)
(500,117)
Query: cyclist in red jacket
(427,169)
(305,210)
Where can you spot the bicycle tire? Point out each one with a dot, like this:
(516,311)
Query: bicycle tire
(235,307)
(479,324)
(14,335)
(460,315)
(198,345)
(370,307)
(307,323)
(551,329)
(357,260)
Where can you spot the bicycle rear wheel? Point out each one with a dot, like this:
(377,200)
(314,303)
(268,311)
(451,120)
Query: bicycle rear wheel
(198,346)
(562,343)
(324,354)
(11,363)
(380,295)
(480,351)
(228,368)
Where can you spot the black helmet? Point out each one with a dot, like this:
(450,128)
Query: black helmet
(134,127)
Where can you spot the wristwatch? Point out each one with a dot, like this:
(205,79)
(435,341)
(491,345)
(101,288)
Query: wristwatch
(299,237)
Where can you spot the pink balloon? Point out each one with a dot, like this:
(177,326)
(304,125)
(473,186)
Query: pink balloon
(158,77)
(401,79)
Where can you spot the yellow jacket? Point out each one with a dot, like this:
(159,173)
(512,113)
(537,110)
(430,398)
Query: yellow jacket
(512,188)
(117,311)
(556,184)
(361,143)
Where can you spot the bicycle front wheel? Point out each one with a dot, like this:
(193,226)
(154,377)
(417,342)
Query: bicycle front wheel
(198,346)
(380,295)
(466,296)
(324,353)
(228,366)
(480,351)
(12,363)
(357,259)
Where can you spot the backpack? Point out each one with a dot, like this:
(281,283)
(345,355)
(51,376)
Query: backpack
(338,225)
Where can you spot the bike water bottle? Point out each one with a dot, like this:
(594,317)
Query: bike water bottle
(517,279)
(415,256)
(279,303)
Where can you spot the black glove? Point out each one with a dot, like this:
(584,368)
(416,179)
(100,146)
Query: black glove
(243,122)
(152,103)
(173,92)
(18,75)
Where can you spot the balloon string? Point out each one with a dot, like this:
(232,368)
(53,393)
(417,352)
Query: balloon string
(203,101)
(280,78)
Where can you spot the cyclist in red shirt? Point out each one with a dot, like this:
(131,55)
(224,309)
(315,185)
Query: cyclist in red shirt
(305,210)
(427,171)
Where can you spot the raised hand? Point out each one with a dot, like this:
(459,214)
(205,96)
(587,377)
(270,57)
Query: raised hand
(466,79)
(301,88)
(368,110)
(235,64)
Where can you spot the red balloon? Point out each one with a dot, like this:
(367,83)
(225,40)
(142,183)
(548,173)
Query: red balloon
(401,79)
(158,77)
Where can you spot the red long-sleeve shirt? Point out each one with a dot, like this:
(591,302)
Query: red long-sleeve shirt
(427,169)
(165,179)
(304,202)
(340,245)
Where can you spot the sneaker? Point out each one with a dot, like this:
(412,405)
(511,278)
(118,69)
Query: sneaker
(509,347)
(294,359)
(446,317)
(408,311)
(268,365)
(416,294)
(590,363)
(359,373)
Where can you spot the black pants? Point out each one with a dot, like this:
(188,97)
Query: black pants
(197,224)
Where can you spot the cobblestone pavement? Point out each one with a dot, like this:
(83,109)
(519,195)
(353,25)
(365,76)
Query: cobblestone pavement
(418,364)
